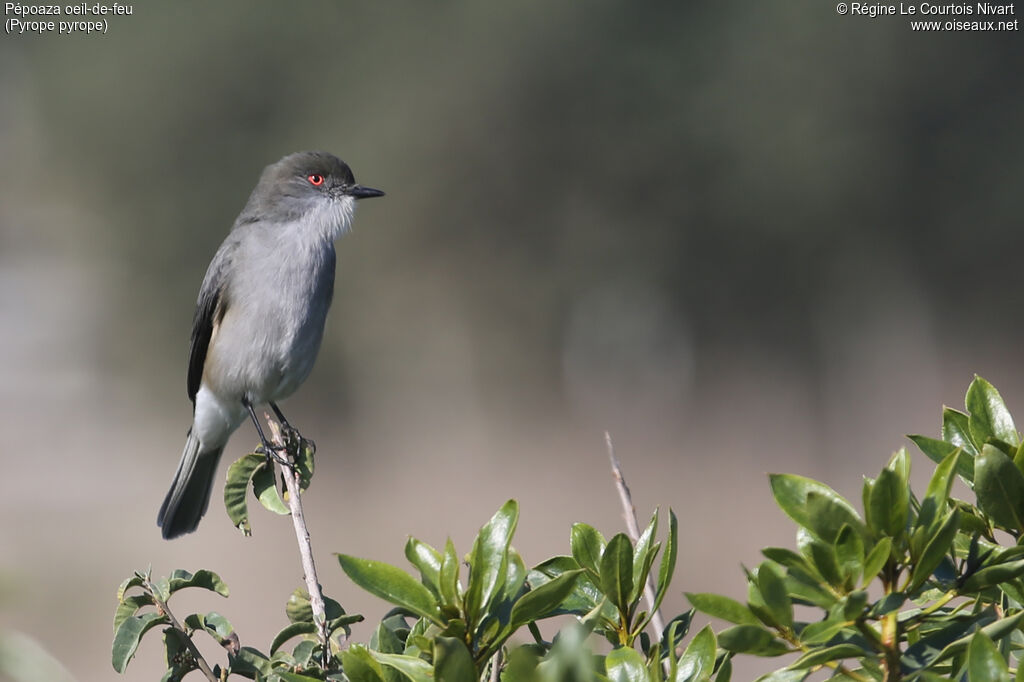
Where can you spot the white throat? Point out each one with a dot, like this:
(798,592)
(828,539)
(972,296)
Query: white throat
(332,218)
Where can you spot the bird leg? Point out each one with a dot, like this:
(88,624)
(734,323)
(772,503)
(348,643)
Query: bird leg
(287,430)
(285,426)
(280,415)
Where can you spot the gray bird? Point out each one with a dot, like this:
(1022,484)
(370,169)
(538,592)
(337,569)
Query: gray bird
(260,314)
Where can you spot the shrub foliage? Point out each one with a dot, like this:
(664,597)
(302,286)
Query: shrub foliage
(912,586)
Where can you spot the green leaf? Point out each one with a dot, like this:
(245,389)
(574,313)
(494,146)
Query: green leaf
(452,661)
(755,602)
(856,603)
(300,610)
(1018,457)
(937,547)
(625,664)
(999,486)
(417,642)
(1003,555)
(587,546)
(161,588)
(751,639)
(416,669)
(290,631)
(448,578)
(925,651)
(302,653)
(865,495)
(876,560)
(972,520)
(240,474)
(304,463)
(823,558)
(806,587)
(887,604)
(814,506)
(428,561)
(643,557)
(818,657)
(515,580)
(771,585)
(208,580)
(899,464)
(724,608)
(585,596)
(129,606)
(137,580)
(488,564)
(521,665)
(989,417)
(617,572)
(342,622)
(938,450)
(178,657)
(698,661)
(984,662)
(264,486)
(391,584)
(294,677)
(786,557)
(216,625)
(360,666)
(128,635)
(823,630)
(543,600)
(724,670)
(849,551)
(935,498)
(668,560)
(784,676)
(889,503)
(250,661)
(671,638)
(993,575)
(942,479)
(956,430)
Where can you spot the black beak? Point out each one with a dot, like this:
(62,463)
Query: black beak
(360,192)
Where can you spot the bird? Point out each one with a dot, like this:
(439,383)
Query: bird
(260,314)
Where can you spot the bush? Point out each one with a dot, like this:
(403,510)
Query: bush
(914,587)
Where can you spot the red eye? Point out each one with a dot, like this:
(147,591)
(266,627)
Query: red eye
(315,179)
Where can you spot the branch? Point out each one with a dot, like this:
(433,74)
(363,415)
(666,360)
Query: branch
(196,655)
(316,595)
(495,666)
(629,513)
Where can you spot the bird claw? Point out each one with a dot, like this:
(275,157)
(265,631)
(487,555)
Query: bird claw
(271,453)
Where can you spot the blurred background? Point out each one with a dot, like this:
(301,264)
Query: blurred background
(743,238)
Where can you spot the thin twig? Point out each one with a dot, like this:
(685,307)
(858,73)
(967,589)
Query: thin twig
(316,596)
(196,655)
(629,513)
(496,666)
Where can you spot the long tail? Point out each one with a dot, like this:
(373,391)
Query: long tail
(189,496)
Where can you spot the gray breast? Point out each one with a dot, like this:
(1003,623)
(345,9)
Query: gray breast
(273,328)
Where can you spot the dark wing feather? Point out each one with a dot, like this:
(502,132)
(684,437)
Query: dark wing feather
(210,308)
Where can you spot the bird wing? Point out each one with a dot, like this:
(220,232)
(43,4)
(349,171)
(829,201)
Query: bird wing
(210,309)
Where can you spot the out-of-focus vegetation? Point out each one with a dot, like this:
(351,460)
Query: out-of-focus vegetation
(716,171)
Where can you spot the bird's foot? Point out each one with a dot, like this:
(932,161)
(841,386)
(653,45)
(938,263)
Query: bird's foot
(271,453)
